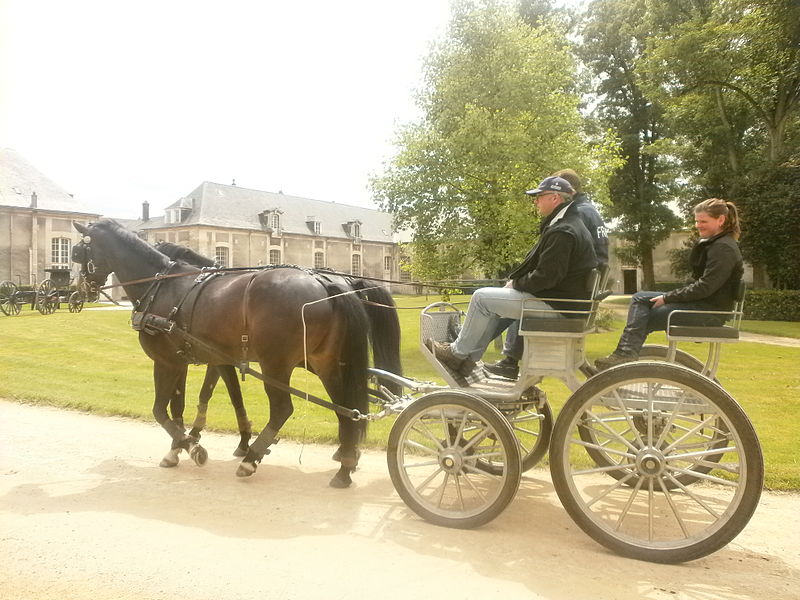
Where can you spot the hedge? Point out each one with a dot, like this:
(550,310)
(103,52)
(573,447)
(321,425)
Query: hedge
(772,305)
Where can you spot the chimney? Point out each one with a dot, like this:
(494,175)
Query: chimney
(34,199)
(145,211)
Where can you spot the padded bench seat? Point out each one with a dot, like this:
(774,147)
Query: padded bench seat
(718,332)
(553,325)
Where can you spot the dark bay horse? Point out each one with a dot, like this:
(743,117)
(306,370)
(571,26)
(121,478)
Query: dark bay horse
(212,376)
(384,327)
(239,316)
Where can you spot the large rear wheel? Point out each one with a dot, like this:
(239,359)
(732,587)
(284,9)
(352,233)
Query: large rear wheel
(47,298)
(651,418)
(437,448)
(10,303)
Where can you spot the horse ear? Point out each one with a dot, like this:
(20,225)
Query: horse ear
(81,228)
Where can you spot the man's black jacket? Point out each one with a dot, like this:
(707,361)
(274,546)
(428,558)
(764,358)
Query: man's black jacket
(559,264)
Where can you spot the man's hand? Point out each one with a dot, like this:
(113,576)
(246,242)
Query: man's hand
(657,301)
(509,284)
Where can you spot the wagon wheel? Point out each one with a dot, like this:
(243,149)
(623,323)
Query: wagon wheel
(88,292)
(46,301)
(712,436)
(532,426)
(434,451)
(658,519)
(75,303)
(10,302)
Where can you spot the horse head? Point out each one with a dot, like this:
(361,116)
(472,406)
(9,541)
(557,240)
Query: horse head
(94,267)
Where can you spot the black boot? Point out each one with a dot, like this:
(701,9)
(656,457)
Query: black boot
(508,368)
(615,358)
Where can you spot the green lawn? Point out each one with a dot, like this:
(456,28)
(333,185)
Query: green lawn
(92,361)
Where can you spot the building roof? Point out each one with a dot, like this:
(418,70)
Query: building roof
(234,207)
(19,179)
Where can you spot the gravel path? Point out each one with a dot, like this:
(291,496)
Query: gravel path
(86,513)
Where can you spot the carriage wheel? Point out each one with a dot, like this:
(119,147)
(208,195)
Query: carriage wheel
(434,455)
(75,302)
(46,301)
(652,418)
(9,301)
(88,292)
(713,436)
(532,426)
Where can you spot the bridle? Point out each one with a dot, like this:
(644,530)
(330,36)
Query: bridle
(81,254)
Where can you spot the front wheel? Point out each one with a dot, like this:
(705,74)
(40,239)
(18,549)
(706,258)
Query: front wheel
(437,449)
(652,417)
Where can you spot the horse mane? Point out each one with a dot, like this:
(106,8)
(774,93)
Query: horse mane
(187,255)
(132,242)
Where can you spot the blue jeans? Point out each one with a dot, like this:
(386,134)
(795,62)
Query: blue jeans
(490,311)
(643,319)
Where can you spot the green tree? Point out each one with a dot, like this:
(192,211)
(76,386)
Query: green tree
(728,72)
(500,112)
(770,211)
(614,39)
(740,56)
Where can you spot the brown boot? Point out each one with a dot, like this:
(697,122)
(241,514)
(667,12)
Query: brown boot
(444,354)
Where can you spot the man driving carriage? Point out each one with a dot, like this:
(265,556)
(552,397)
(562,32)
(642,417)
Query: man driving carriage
(556,267)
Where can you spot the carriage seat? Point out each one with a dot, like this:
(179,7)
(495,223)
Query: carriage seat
(710,333)
(581,321)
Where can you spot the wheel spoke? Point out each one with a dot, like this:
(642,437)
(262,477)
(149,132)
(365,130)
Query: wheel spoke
(628,505)
(674,508)
(419,489)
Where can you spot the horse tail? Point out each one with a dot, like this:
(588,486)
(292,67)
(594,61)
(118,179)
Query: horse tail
(355,351)
(384,326)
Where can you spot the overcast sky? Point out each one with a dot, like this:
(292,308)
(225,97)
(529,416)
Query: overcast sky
(121,102)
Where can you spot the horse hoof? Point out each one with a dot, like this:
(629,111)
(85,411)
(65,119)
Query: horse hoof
(340,483)
(199,455)
(246,469)
(240,452)
(170,458)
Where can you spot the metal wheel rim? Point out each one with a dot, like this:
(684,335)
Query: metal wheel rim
(665,514)
(8,304)
(445,434)
(46,297)
(75,302)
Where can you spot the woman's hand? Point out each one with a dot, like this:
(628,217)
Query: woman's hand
(657,301)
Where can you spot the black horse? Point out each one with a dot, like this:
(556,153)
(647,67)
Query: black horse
(239,316)
(212,376)
(384,326)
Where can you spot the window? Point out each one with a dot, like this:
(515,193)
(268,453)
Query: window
(356,230)
(274,257)
(275,221)
(314,225)
(319,260)
(387,263)
(59,252)
(356,265)
(221,256)
(405,275)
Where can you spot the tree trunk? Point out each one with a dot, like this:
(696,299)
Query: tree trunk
(648,272)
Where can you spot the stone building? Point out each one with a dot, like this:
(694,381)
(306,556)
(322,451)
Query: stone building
(243,227)
(36,215)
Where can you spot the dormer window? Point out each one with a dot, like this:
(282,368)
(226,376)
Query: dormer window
(353,229)
(271,220)
(314,225)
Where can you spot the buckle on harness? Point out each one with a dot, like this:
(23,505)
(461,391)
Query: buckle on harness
(150,323)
